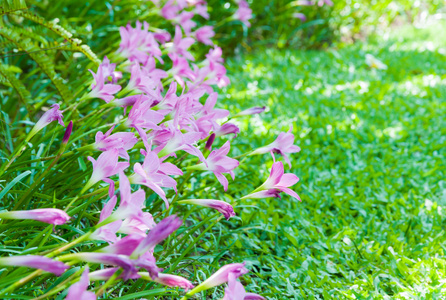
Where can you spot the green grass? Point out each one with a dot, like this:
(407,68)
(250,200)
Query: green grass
(372,170)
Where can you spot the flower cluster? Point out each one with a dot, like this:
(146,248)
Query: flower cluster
(162,114)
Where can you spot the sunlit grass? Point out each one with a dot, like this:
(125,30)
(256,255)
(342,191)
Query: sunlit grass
(372,169)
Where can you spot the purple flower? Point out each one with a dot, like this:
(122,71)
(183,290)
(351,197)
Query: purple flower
(282,145)
(35,262)
(161,231)
(47,215)
(221,276)
(79,289)
(53,114)
(277,182)
(204,35)
(225,208)
(105,274)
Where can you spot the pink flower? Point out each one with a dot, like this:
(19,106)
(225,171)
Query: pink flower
(277,182)
(225,129)
(101,90)
(326,2)
(109,70)
(142,117)
(300,16)
(161,231)
(282,145)
(122,141)
(107,165)
(251,111)
(213,73)
(146,80)
(79,289)
(204,35)
(136,222)
(161,36)
(175,140)
(225,208)
(170,10)
(154,174)
(184,19)
(244,13)
(219,163)
(53,114)
(236,291)
(221,276)
(181,69)
(215,55)
(35,262)
(206,119)
(138,44)
(47,215)
(181,45)
(131,203)
(202,10)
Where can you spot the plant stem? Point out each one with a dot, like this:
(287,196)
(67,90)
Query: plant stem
(20,282)
(108,282)
(38,180)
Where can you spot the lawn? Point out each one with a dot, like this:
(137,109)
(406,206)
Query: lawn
(372,169)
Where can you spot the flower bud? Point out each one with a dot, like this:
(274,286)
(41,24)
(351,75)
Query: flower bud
(209,142)
(36,262)
(47,215)
(67,134)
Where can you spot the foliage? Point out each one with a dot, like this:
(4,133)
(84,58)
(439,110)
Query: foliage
(279,23)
